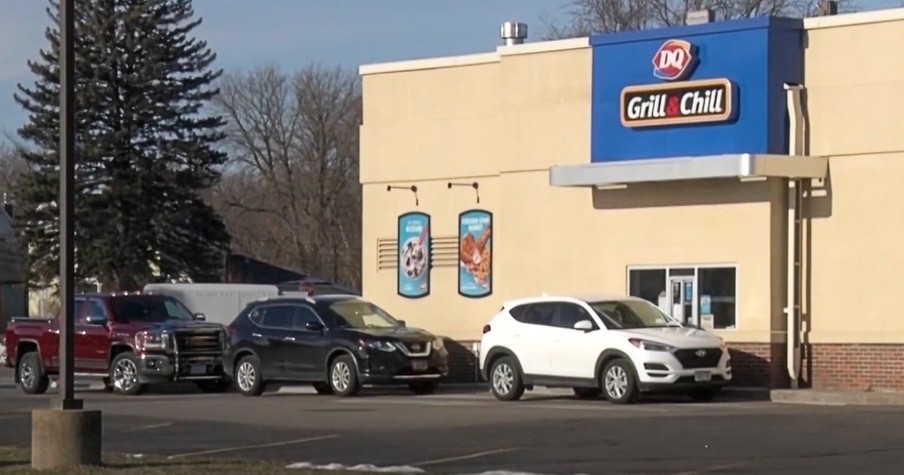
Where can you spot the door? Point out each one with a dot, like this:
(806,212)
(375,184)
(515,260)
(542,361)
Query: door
(533,342)
(305,350)
(92,337)
(574,352)
(681,299)
(271,338)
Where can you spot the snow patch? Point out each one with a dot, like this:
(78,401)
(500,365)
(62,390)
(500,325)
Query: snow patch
(357,468)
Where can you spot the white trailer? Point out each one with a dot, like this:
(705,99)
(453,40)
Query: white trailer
(220,303)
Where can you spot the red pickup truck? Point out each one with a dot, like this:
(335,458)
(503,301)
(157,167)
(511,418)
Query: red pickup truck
(130,340)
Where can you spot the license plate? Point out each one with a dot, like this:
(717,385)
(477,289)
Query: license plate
(419,365)
(198,369)
(702,376)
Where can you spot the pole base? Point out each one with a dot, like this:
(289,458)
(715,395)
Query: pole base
(65,438)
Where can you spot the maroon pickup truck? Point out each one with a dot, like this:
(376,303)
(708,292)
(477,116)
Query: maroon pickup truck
(130,340)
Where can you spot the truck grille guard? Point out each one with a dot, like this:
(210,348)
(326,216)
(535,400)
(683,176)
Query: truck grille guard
(197,344)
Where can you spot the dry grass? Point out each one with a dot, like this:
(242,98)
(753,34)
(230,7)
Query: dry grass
(15,461)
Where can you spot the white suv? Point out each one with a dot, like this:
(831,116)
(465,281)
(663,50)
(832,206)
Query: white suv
(617,345)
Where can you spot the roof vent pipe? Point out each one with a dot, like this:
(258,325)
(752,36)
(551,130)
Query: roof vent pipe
(513,33)
(828,8)
(699,17)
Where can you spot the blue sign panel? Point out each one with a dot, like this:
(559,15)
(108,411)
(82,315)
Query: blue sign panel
(475,253)
(698,90)
(414,255)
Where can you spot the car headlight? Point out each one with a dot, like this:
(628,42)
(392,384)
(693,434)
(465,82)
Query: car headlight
(377,345)
(151,341)
(438,344)
(650,345)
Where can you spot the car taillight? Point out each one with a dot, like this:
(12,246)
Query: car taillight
(486,329)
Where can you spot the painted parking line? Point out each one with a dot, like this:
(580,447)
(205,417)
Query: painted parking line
(463,457)
(250,447)
(150,427)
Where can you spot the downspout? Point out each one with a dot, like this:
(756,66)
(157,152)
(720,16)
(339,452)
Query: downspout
(796,147)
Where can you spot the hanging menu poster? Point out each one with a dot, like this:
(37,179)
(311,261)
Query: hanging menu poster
(414,255)
(475,253)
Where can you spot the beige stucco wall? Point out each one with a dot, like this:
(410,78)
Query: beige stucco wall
(503,119)
(854,81)
(503,123)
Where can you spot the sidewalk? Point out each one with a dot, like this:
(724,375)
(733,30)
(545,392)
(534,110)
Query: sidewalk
(836,398)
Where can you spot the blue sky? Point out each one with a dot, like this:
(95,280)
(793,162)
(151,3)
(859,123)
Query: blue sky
(245,33)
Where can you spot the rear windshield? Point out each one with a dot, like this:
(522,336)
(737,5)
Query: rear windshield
(150,309)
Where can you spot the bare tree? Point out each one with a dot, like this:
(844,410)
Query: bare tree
(11,168)
(585,17)
(292,195)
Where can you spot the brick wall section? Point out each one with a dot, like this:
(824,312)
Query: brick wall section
(759,365)
(857,367)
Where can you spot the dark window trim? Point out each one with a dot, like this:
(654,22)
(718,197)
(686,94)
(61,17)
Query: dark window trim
(268,327)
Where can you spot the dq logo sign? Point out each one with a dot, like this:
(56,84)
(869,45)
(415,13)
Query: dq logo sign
(674,60)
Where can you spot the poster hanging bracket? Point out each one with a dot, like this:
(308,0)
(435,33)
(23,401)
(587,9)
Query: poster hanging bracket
(474,185)
(411,188)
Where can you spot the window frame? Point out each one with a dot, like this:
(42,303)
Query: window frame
(696,267)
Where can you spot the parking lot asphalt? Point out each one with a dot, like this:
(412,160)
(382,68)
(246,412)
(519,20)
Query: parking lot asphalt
(465,432)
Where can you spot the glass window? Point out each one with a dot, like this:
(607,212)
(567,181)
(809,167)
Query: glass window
(518,312)
(717,293)
(303,316)
(540,314)
(149,308)
(568,314)
(278,316)
(356,313)
(648,284)
(625,314)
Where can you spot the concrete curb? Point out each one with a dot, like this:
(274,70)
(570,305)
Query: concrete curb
(836,398)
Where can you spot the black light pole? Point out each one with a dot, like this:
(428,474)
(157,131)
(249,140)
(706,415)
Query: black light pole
(67,208)
(66,436)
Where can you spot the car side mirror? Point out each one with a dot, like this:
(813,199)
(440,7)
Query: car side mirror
(402,323)
(584,325)
(200,317)
(313,326)
(96,320)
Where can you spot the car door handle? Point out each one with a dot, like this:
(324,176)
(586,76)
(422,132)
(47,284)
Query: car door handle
(289,338)
(256,335)
(83,332)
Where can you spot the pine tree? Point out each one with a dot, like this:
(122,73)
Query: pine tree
(144,148)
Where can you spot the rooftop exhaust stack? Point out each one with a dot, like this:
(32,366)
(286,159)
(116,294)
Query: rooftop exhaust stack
(699,17)
(513,33)
(828,8)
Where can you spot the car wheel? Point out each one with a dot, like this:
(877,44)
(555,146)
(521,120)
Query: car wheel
(423,387)
(30,374)
(587,393)
(505,380)
(215,386)
(344,376)
(323,388)
(619,383)
(124,375)
(705,394)
(248,376)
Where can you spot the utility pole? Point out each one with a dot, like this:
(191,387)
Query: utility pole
(66,436)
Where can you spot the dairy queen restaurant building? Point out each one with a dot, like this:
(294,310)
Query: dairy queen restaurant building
(743,175)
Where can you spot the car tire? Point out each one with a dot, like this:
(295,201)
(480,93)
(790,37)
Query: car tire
(323,388)
(248,378)
(344,376)
(505,379)
(124,375)
(423,388)
(705,394)
(618,382)
(30,374)
(587,393)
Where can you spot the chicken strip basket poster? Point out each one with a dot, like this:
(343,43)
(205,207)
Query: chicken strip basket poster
(414,255)
(475,253)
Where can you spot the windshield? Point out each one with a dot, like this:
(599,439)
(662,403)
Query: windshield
(626,314)
(149,309)
(353,313)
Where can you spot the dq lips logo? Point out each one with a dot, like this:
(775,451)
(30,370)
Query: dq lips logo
(673,60)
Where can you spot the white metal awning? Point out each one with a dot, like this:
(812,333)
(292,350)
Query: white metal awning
(741,166)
